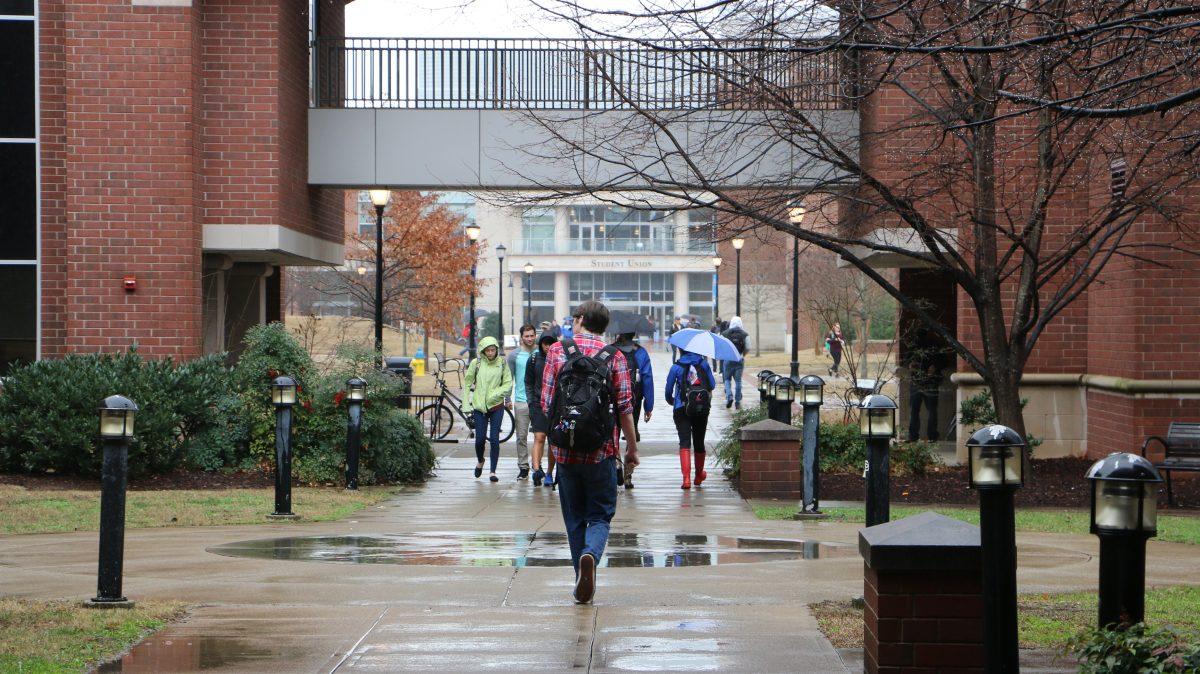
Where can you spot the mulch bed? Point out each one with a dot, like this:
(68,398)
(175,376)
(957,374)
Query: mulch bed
(178,479)
(1053,483)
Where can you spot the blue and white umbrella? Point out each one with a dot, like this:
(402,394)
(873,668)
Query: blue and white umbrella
(705,343)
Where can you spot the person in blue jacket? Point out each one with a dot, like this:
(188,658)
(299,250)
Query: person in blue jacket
(641,377)
(689,391)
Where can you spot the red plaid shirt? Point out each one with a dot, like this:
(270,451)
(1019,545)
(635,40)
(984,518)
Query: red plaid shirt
(622,389)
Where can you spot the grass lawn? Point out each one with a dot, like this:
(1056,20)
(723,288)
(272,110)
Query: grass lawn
(23,511)
(1175,528)
(39,637)
(1044,620)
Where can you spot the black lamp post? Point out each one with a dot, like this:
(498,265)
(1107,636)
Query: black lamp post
(379,198)
(1124,516)
(785,394)
(738,242)
(772,384)
(529,293)
(472,236)
(812,394)
(716,263)
(500,251)
(796,216)
(877,426)
(116,428)
(764,387)
(995,465)
(283,396)
(356,393)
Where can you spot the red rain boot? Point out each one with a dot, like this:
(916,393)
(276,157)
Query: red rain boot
(685,466)
(700,474)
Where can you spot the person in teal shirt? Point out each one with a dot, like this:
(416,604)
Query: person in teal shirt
(518,360)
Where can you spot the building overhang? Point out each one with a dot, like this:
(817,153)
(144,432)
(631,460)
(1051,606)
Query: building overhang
(902,238)
(271,243)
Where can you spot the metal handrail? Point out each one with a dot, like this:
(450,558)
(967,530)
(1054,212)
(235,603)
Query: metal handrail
(547,74)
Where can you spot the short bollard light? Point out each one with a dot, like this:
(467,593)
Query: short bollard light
(116,428)
(812,394)
(283,396)
(1124,517)
(772,403)
(996,468)
(785,395)
(356,393)
(877,426)
(763,386)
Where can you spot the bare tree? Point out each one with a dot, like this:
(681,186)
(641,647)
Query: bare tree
(1015,147)
(762,294)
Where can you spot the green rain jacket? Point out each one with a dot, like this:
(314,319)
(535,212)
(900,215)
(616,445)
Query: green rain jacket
(488,382)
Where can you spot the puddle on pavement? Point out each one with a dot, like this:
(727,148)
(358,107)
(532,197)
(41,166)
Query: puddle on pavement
(165,653)
(648,550)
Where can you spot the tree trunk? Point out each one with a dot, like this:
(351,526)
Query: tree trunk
(757,334)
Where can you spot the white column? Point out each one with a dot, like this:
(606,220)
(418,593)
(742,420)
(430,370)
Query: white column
(562,233)
(562,287)
(680,227)
(681,293)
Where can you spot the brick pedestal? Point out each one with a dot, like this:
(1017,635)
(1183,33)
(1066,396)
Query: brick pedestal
(924,603)
(771,460)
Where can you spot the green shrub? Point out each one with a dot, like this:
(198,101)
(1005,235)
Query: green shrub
(914,457)
(1135,650)
(49,420)
(978,411)
(842,448)
(729,447)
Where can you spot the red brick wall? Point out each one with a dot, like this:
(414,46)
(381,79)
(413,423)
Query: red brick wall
(922,621)
(771,469)
(52,38)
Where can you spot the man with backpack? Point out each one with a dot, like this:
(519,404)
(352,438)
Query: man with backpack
(689,390)
(583,384)
(732,369)
(641,379)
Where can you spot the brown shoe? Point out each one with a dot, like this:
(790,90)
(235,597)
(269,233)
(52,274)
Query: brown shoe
(585,584)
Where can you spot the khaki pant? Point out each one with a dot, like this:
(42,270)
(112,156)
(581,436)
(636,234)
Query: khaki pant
(521,432)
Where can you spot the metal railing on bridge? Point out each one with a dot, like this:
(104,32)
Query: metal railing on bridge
(545,74)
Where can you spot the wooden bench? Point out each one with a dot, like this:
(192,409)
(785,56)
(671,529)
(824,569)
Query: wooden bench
(1181,451)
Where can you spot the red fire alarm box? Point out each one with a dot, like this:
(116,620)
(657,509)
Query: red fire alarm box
(130,284)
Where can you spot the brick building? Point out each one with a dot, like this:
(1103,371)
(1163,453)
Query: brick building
(154,157)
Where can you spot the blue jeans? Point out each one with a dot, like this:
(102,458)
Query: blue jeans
(588,495)
(482,422)
(733,380)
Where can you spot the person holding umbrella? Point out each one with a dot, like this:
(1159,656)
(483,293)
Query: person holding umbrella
(626,326)
(689,391)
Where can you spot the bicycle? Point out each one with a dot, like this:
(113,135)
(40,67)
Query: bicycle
(437,418)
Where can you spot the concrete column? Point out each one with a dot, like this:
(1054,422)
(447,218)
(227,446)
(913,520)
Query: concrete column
(562,289)
(680,227)
(681,293)
(562,234)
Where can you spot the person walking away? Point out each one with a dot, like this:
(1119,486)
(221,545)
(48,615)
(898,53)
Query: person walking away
(568,330)
(676,326)
(537,414)
(641,378)
(834,343)
(488,383)
(731,370)
(465,340)
(518,362)
(689,391)
(583,382)
(925,380)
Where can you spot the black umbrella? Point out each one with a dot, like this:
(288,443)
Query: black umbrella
(621,322)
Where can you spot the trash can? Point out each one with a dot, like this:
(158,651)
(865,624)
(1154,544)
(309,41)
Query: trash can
(402,366)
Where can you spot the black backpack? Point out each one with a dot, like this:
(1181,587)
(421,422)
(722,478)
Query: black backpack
(697,398)
(738,337)
(581,411)
(635,373)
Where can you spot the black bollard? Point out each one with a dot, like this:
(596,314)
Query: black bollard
(356,392)
(877,426)
(283,396)
(1122,579)
(116,427)
(811,459)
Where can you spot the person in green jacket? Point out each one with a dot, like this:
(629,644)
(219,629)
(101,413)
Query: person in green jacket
(488,384)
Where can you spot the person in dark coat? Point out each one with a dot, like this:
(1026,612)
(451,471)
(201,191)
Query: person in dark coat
(538,421)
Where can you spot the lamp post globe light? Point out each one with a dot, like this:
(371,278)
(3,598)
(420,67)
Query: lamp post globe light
(716,263)
(379,199)
(785,394)
(812,394)
(501,250)
(117,415)
(763,386)
(1124,514)
(283,397)
(772,384)
(796,217)
(738,242)
(877,426)
(529,293)
(472,237)
(995,468)
(356,393)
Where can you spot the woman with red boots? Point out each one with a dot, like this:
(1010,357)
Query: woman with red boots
(689,390)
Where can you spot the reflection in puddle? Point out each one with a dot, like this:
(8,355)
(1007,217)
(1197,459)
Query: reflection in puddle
(521,549)
(161,653)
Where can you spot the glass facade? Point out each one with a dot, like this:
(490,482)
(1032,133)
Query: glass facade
(537,230)
(618,229)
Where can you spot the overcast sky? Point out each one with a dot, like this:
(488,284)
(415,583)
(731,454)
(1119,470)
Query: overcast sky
(448,18)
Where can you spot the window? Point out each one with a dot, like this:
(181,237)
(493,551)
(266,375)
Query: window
(537,230)
(702,230)
(1118,179)
(623,289)
(620,229)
